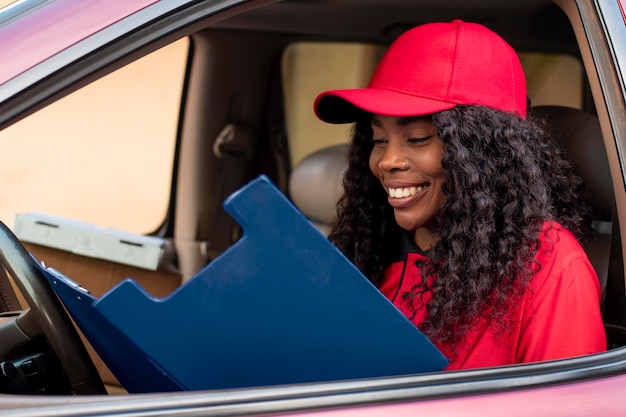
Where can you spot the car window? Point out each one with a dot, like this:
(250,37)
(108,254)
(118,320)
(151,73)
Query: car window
(309,68)
(104,153)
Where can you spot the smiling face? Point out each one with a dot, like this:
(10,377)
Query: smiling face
(406,158)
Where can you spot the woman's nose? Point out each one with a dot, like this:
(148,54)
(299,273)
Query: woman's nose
(393,159)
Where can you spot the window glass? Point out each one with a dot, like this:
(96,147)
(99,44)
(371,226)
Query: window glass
(7,3)
(104,153)
(310,68)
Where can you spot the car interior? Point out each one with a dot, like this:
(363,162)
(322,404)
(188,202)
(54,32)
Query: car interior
(245,109)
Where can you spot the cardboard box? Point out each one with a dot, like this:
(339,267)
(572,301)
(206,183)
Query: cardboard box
(89,240)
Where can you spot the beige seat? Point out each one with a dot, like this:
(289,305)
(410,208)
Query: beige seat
(315,184)
(579,135)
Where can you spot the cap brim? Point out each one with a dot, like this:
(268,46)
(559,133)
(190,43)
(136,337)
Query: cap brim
(347,106)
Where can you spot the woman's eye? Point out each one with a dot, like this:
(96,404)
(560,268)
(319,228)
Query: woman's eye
(378,142)
(418,140)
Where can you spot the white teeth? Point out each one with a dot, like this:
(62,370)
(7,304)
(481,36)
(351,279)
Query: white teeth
(404,192)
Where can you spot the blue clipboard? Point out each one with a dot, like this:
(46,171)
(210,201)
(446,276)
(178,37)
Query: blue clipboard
(281,306)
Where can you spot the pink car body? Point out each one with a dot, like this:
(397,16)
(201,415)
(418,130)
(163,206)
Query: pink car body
(55,27)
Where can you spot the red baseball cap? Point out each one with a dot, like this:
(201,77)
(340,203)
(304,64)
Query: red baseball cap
(431,68)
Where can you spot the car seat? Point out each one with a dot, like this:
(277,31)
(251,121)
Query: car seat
(315,184)
(578,134)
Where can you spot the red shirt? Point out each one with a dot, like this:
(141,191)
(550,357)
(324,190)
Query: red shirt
(558,316)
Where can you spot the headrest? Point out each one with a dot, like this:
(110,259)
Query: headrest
(579,135)
(315,183)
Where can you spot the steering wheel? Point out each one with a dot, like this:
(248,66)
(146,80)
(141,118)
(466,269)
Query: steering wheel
(47,316)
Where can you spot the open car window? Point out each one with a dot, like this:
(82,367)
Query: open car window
(94,158)
(185,102)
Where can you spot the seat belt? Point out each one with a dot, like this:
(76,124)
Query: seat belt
(277,131)
(233,146)
(614,303)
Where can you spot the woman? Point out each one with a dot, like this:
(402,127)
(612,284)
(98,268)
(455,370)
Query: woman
(460,209)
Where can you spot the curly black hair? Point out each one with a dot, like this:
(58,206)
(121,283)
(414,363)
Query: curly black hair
(504,178)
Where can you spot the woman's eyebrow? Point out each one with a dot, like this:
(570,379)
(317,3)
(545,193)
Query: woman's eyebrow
(403,121)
